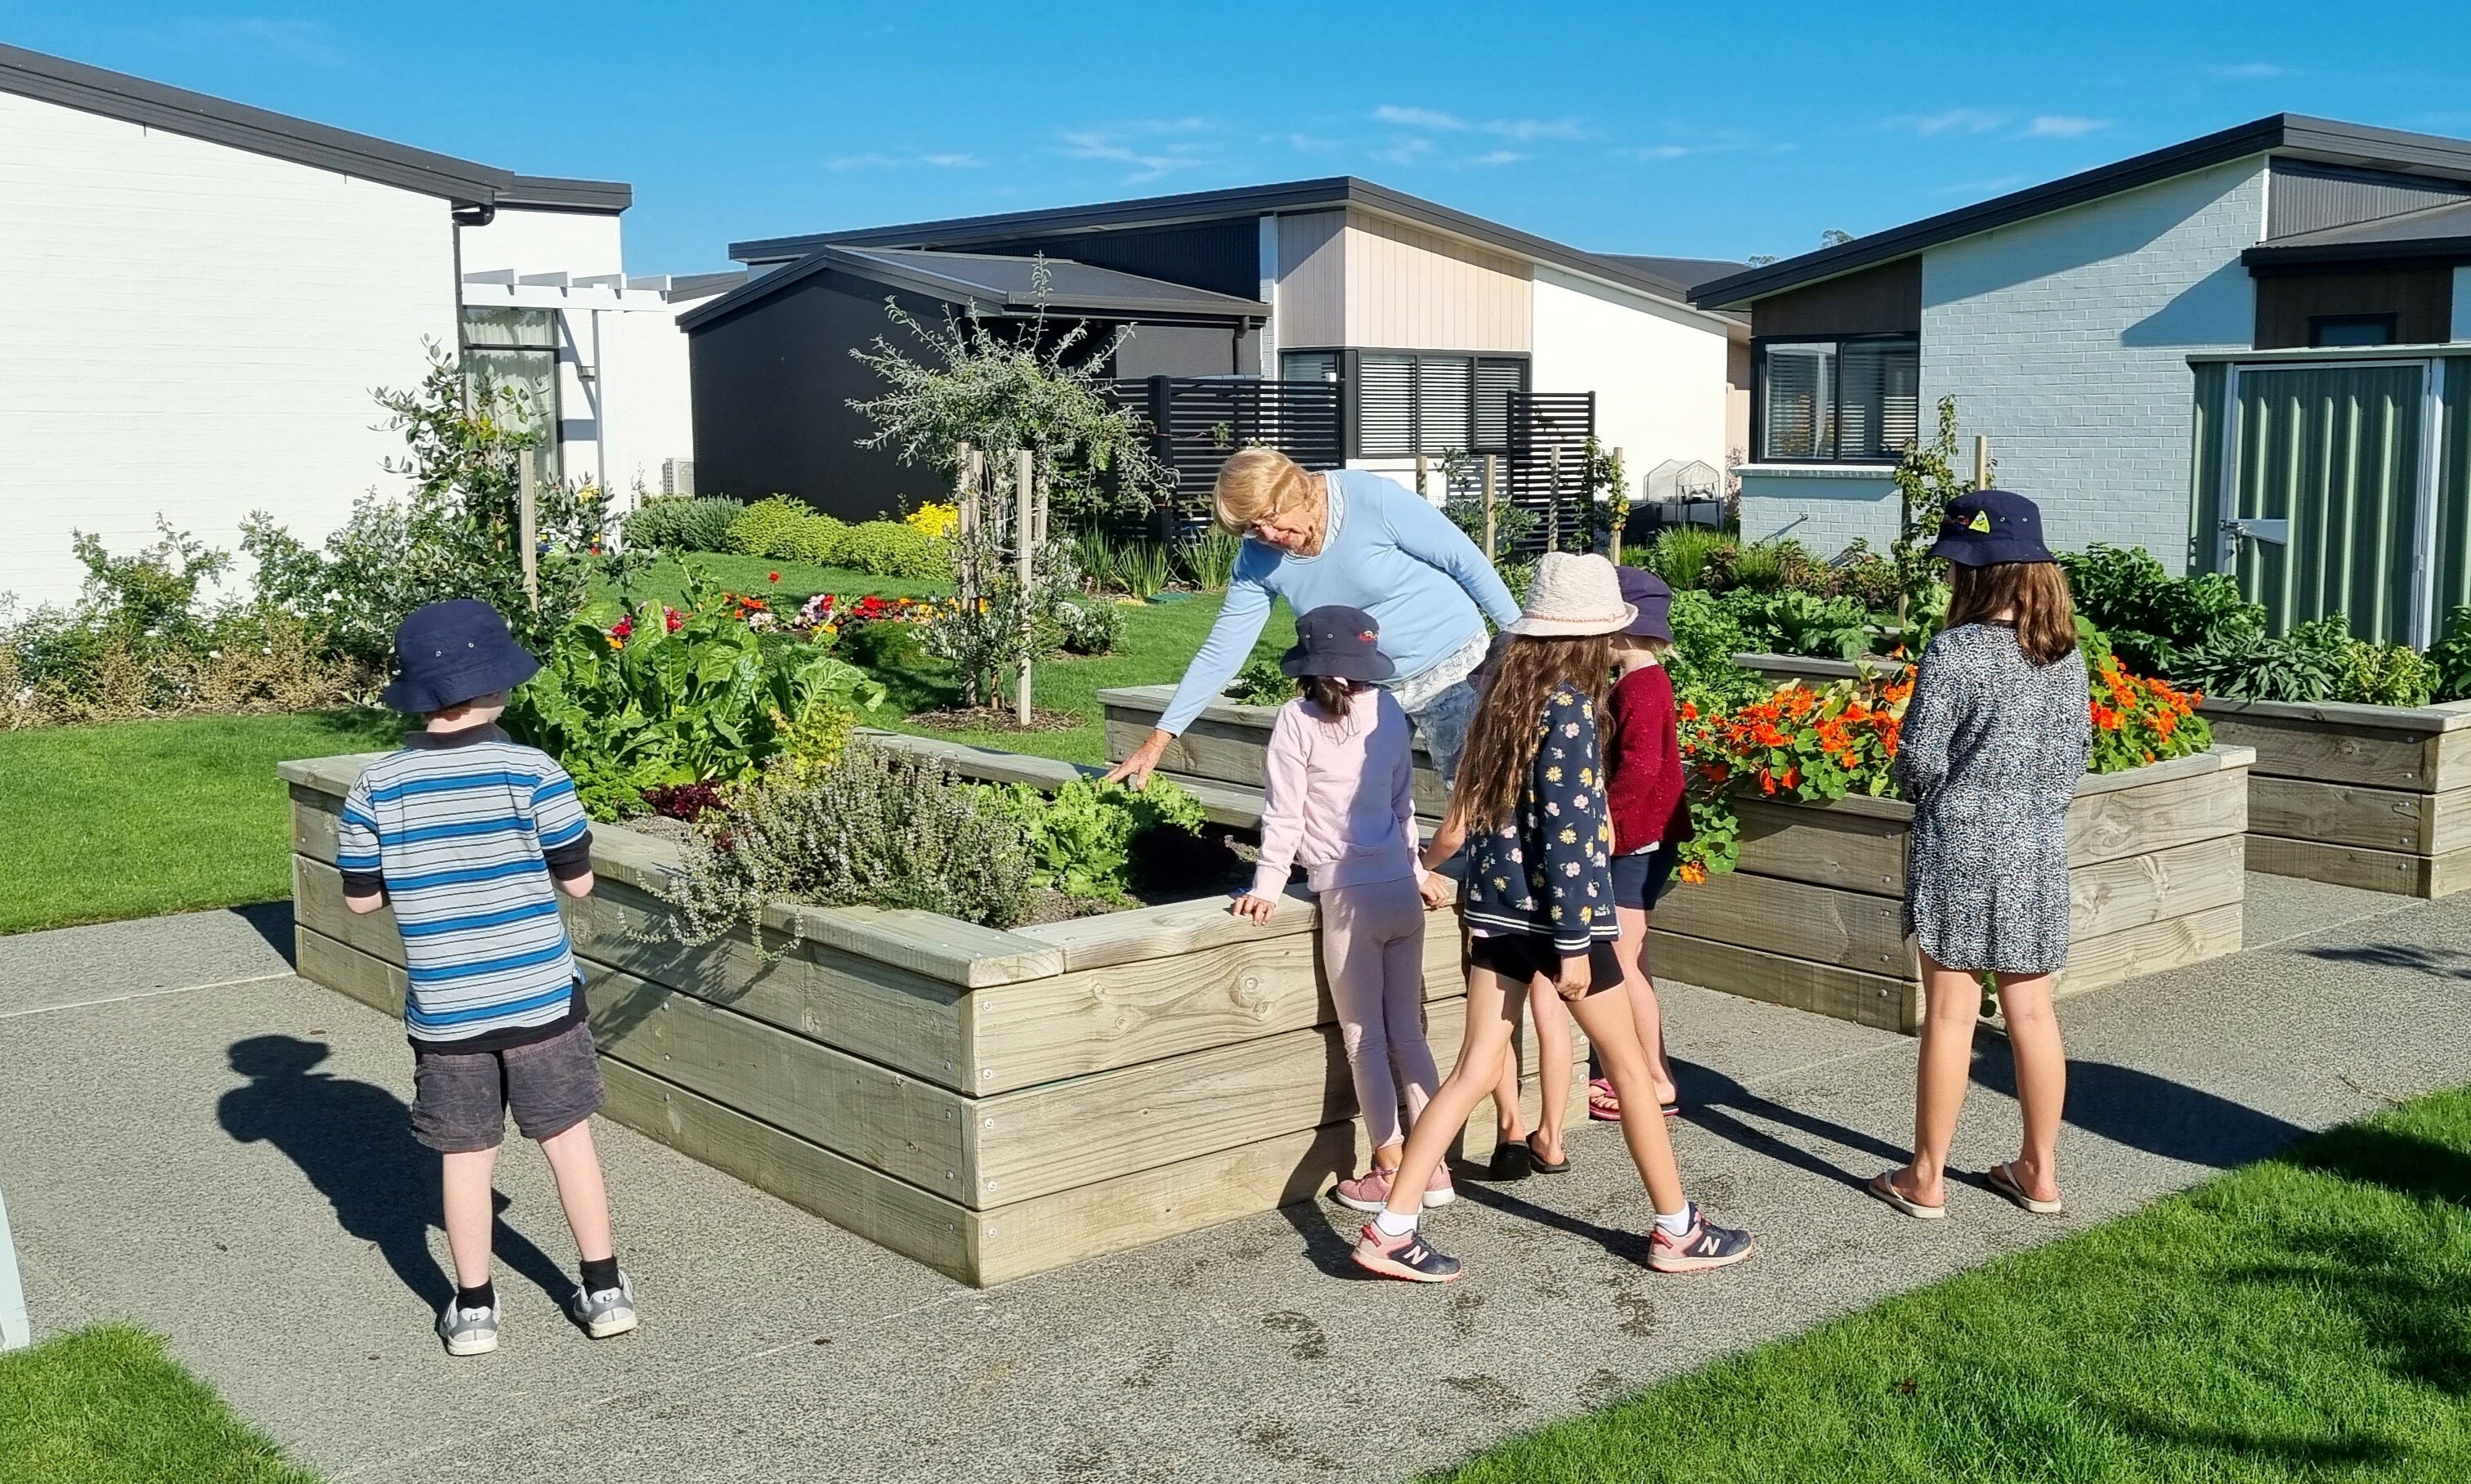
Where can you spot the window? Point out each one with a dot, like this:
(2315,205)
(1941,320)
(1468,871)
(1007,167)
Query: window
(2351,330)
(515,351)
(1852,400)
(1403,403)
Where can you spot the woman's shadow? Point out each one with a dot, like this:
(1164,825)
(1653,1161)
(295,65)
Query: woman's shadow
(353,1140)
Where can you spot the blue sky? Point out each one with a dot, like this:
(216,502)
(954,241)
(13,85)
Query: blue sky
(1702,131)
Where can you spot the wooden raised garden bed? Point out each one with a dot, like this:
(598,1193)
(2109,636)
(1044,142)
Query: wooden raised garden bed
(2371,796)
(1813,915)
(1227,744)
(991,1104)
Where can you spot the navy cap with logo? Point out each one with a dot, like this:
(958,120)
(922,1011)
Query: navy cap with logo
(447,653)
(1342,643)
(1987,526)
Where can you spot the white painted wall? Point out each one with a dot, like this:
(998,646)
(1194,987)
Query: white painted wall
(580,243)
(649,393)
(2461,304)
(2065,339)
(1658,370)
(194,330)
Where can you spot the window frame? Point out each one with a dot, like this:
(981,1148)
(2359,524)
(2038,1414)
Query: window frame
(1350,360)
(1759,344)
(2389,323)
(549,457)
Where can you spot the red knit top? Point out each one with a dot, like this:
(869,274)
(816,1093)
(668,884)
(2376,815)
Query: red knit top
(1643,760)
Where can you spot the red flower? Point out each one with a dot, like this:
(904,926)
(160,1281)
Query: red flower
(774,578)
(1689,711)
(670,617)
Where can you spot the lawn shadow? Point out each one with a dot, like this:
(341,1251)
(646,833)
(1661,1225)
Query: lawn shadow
(273,922)
(353,1140)
(2155,1115)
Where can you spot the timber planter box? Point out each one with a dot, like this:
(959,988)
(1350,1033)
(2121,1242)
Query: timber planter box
(1227,744)
(1813,916)
(991,1104)
(2371,796)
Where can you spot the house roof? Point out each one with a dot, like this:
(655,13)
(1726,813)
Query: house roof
(2292,135)
(2440,231)
(1294,196)
(176,111)
(1003,285)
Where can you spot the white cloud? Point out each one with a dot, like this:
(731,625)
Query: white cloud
(868,161)
(1659,152)
(1994,186)
(1519,130)
(297,41)
(2062,125)
(1407,152)
(1127,144)
(873,160)
(1419,118)
(1955,121)
(951,161)
(1497,158)
(2250,71)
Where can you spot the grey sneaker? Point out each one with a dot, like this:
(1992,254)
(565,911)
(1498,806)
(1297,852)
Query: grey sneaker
(607,1313)
(469,1331)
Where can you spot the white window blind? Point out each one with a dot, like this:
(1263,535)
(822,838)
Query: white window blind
(1800,382)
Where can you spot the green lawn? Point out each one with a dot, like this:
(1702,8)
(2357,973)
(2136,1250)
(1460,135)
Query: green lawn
(105,1405)
(131,818)
(2306,1318)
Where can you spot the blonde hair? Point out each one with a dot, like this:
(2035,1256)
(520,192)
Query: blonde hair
(1254,483)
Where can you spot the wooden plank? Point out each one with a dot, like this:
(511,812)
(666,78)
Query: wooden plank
(2287,748)
(2337,813)
(2135,891)
(373,982)
(1851,929)
(2150,949)
(1887,1003)
(2118,822)
(884,1211)
(863,1112)
(1169,931)
(2221,757)
(906,1020)
(318,902)
(2448,758)
(326,775)
(2346,715)
(1237,989)
(1228,744)
(315,818)
(1825,847)
(2344,866)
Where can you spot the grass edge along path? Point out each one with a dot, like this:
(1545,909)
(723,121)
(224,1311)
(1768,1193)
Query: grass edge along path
(2305,1316)
(106,1404)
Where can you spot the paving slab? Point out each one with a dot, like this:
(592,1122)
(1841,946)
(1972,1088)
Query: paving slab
(229,1165)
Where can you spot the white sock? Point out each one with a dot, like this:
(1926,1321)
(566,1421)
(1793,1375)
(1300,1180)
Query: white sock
(1674,1223)
(1389,1223)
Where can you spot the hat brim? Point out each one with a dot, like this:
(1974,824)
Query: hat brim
(1970,551)
(1654,622)
(1533,626)
(1370,666)
(502,672)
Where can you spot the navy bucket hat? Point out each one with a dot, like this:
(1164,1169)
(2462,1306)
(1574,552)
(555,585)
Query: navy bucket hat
(1342,643)
(451,652)
(1653,598)
(1989,527)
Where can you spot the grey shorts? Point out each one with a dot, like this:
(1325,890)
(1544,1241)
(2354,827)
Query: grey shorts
(461,1098)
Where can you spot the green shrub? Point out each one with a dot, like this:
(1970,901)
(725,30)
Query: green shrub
(1791,622)
(2452,657)
(2385,675)
(1680,555)
(1081,836)
(1208,559)
(682,523)
(1763,567)
(1705,638)
(891,549)
(2304,664)
(786,529)
(880,828)
(2155,621)
(1090,625)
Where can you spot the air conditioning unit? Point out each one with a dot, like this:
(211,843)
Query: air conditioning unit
(677,476)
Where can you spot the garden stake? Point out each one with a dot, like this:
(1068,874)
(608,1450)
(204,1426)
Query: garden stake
(527,522)
(1621,509)
(966,468)
(1553,501)
(1025,475)
(1492,484)
(1981,460)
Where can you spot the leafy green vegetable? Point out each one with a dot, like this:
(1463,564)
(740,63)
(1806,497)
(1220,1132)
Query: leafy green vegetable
(1081,836)
(1262,683)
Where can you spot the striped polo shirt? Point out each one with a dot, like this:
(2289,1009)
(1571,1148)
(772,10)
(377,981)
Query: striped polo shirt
(463,832)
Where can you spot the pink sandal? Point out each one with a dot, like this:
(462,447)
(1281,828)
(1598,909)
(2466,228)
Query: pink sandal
(1604,1104)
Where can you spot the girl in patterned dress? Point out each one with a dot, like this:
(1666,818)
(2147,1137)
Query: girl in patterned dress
(1539,900)
(1995,741)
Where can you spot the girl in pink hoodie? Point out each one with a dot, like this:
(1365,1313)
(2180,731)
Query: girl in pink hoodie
(1338,798)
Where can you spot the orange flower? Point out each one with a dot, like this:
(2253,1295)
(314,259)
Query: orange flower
(1767,781)
(1689,711)
(1693,874)
(1793,777)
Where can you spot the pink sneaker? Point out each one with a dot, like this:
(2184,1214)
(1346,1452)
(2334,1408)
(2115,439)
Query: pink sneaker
(1704,1246)
(1371,1190)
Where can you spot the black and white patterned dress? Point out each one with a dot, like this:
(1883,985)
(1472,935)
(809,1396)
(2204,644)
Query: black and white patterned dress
(1992,751)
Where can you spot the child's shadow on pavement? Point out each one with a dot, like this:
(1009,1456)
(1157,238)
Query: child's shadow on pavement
(353,1140)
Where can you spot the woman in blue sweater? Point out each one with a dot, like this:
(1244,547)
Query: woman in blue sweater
(1353,540)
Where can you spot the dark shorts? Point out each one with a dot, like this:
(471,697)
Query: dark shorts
(1638,881)
(1525,956)
(461,1098)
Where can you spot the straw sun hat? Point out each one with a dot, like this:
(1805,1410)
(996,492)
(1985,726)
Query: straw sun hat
(1573,596)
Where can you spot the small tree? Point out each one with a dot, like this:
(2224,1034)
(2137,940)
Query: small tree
(1926,480)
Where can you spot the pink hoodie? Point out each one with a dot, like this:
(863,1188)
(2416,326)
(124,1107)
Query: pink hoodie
(1340,797)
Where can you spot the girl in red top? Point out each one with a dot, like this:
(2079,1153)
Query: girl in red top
(1651,817)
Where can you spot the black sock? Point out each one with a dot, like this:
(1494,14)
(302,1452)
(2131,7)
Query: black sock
(485,1296)
(600,1274)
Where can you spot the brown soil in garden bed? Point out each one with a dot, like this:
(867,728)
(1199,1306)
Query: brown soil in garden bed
(996,719)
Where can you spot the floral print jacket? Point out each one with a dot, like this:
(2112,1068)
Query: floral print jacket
(1546,871)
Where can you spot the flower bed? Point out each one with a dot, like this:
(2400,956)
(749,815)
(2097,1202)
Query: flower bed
(2377,797)
(991,1104)
(1810,912)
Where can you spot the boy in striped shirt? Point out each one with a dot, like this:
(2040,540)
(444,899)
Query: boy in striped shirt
(470,837)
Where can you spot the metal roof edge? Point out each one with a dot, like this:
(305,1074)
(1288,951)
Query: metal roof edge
(2455,248)
(555,193)
(902,276)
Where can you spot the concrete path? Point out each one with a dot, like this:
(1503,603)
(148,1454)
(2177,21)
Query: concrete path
(194,1141)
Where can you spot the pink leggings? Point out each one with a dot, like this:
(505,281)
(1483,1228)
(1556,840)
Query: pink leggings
(1372,944)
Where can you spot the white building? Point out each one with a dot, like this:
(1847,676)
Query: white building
(205,295)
